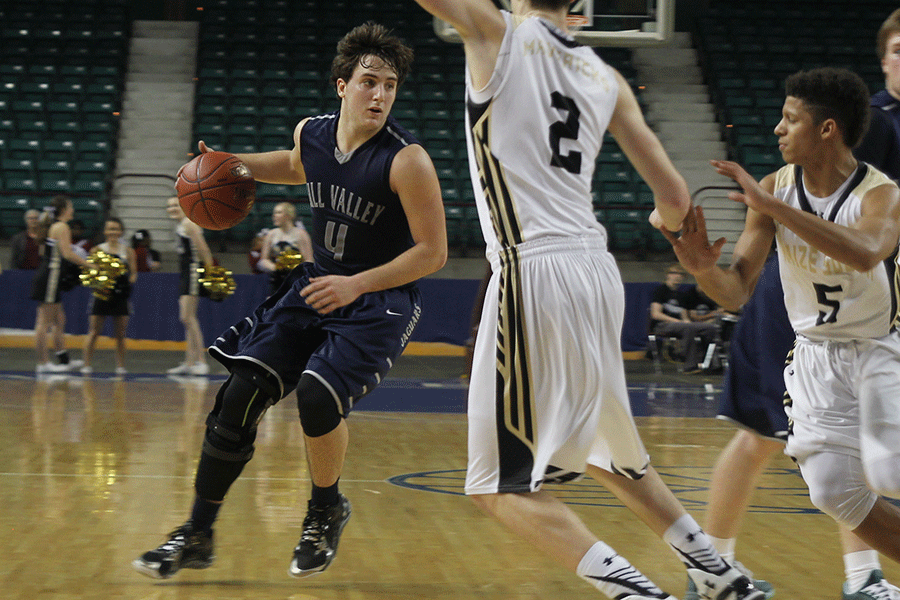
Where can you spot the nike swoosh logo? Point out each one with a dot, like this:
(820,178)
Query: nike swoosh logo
(395,314)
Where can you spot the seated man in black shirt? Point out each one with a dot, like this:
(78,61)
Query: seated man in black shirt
(669,317)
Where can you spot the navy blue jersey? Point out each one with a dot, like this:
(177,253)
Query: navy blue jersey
(357,221)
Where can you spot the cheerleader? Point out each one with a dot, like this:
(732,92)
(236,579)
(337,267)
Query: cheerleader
(117,305)
(193,253)
(287,235)
(57,273)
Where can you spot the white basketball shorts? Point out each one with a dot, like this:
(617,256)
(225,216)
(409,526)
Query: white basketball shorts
(547,392)
(844,397)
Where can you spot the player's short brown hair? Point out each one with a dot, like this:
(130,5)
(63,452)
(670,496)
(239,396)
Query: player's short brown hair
(371,39)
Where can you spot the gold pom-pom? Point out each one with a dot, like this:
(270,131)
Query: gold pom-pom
(102,273)
(288,259)
(218,282)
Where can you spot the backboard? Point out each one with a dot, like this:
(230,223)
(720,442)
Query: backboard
(625,23)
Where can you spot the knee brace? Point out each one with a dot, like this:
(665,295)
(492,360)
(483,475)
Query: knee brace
(838,487)
(319,410)
(240,404)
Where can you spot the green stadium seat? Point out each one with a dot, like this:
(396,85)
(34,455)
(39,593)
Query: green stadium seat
(18,168)
(457,230)
(54,168)
(87,184)
(606,174)
(89,211)
(12,214)
(271,191)
(55,185)
(21,184)
(626,228)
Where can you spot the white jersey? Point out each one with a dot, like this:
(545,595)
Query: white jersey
(538,185)
(826,299)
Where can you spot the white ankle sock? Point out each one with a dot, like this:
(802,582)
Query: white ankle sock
(725,547)
(613,575)
(693,546)
(857,566)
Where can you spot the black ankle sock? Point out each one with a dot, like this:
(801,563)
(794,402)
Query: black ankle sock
(325,496)
(62,357)
(204,514)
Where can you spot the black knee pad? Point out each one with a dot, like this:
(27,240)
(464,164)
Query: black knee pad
(320,413)
(240,404)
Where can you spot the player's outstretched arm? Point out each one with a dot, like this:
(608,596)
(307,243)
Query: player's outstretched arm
(472,19)
(646,153)
(730,288)
(861,246)
(481,27)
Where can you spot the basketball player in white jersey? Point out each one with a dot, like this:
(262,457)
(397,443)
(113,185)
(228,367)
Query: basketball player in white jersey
(548,400)
(837,224)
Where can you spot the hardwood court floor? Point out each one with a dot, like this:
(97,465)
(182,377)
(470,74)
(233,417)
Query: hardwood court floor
(95,471)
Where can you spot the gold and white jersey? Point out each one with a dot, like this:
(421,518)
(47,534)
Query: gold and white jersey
(534,133)
(826,299)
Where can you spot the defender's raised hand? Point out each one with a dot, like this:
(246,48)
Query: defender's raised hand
(692,247)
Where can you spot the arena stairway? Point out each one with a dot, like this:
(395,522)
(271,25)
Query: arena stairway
(155,134)
(680,110)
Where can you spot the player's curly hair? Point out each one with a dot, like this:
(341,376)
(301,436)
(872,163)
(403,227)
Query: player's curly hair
(837,94)
(370,39)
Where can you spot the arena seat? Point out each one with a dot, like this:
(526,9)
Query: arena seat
(61,84)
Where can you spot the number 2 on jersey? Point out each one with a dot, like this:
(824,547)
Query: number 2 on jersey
(567,129)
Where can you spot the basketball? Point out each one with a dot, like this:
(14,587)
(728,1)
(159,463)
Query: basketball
(216,190)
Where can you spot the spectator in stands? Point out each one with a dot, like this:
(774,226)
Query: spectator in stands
(669,316)
(147,258)
(57,273)
(700,307)
(26,245)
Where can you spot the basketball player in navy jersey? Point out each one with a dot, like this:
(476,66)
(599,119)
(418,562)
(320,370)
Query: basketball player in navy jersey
(335,327)
(547,398)
(837,222)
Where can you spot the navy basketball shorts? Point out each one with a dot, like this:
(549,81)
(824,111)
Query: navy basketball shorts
(349,350)
(753,397)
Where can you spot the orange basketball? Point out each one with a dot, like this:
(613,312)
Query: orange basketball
(216,190)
